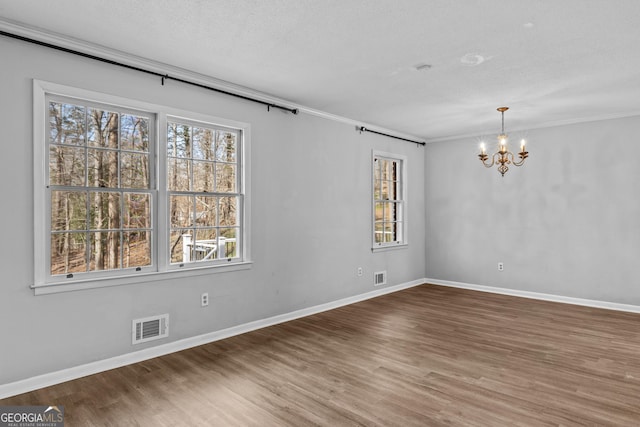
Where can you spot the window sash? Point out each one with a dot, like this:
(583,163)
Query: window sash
(221,242)
(96,186)
(388,200)
(192,238)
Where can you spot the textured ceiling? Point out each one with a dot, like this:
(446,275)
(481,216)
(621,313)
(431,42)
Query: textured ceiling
(550,61)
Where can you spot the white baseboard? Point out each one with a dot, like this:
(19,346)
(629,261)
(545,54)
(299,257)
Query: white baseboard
(537,295)
(49,379)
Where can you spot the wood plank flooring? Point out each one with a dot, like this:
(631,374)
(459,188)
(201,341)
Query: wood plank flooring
(426,356)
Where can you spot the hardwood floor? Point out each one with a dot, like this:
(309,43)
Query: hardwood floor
(426,356)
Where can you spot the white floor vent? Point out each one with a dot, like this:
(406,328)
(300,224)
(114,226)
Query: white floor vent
(150,328)
(379,278)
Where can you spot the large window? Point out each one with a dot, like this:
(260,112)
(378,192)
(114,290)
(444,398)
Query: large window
(388,200)
(127,189)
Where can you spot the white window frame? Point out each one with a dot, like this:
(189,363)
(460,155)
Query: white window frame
(161,267)
(164,192)
(401,234)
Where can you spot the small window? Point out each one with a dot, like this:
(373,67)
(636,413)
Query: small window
(388,200)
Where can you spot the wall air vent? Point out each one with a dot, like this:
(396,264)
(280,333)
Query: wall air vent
(150,328)
(379,278)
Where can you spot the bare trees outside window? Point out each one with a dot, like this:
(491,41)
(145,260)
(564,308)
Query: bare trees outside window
(126,188)
(202,179)
(100,188)
(388,201)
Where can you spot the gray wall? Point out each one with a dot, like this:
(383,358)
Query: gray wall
(566,223)
(310,224)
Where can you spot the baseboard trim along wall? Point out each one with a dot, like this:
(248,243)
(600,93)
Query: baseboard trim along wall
(537,295)
(46,380)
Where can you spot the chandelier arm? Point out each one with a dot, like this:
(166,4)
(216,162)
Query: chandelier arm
(510,157)
(493,161)
(523,156)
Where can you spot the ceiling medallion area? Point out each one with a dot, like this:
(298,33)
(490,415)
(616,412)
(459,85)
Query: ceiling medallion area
(473,59)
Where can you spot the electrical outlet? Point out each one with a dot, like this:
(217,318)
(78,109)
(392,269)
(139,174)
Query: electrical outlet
(204,299)
(500,266)
(360,271)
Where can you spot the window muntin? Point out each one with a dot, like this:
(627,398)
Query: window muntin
(203,190)
(65,195)
(99,187)
(388,201)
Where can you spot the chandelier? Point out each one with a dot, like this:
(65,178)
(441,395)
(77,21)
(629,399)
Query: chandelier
(503,157)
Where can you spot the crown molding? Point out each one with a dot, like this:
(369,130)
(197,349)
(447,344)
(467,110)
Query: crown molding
(130,59)
(72,43)
(545,125)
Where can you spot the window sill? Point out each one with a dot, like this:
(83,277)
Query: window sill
(389,247)
(57,287)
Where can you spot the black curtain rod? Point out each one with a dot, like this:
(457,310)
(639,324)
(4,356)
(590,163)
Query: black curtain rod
(364,129)
(143,70)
